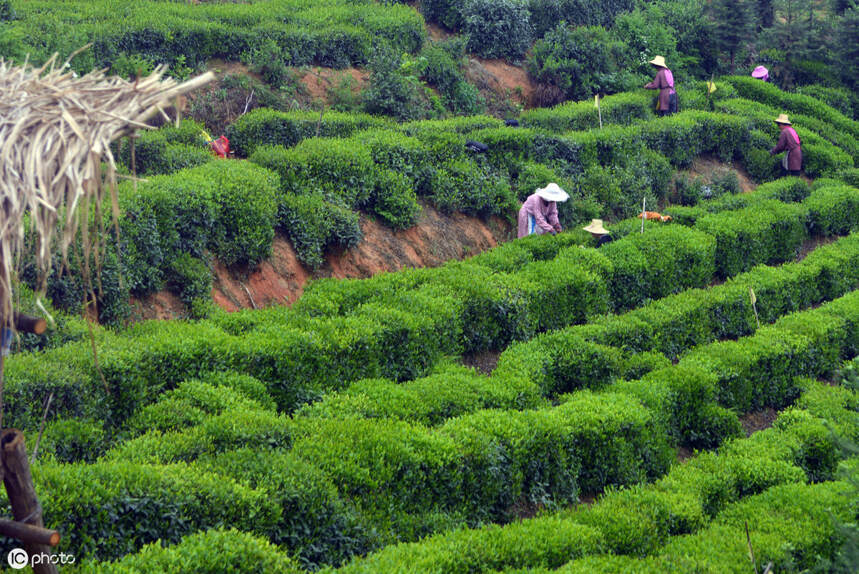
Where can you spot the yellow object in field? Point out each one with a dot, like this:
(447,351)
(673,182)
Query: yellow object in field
(596,100)
(711,87)
(206,136)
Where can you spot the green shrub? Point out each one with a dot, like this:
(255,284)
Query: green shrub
(839,98)
(545,14)
(73,440)
(563,294)
(494,308)
(623,109)
(216,549)
(6,11)
(824,159)
(576,63)
(336,168)
(155,153)
(795,103)
(394,200)
(832,211)
(246,385)
(269,127)
(228,207)
(548,541)
(447,13)
(507,258)
(462,186)
(850,176)
(497,29)
(235,426)
(329,297)
(443,72)
(430,400)
(769,232)
(313,224)
(395,90)
(655,264)
(109,509)
(189,404)
(191,279)
(405,155)
(316,525)
(413,341)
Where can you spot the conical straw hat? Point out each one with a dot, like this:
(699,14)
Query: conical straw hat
(553,192)
(658,61)
(782,119)
(596,227)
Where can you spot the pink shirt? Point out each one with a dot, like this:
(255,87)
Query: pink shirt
(545,215)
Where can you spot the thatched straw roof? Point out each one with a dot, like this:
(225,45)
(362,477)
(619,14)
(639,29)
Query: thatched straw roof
(55,131)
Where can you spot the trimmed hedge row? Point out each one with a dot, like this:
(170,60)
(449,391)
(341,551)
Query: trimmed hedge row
(694,317)
(263,126)
(166,150)
(216,550)
(337,33)
(624,109)
(796,103)
(430,401)
(639,520)
(301,357)
(192,401)
(108,509)
(791,526)
(825,149)
(768,232)
(750,373)
(482,463)
(226,207)
(316,525)
(786,189)
(233,428)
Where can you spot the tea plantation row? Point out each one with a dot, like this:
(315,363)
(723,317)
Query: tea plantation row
(478,464)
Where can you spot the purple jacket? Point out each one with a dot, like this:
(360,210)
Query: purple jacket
(789,140)
(545,215)
(664,82)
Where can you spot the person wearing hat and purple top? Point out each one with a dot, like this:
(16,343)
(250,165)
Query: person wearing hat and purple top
(539,213)
(788,142)
(761,73)
(664,82)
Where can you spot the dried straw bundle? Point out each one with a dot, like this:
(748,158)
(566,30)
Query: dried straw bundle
(55,131)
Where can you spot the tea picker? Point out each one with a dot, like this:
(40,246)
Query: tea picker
(539,213)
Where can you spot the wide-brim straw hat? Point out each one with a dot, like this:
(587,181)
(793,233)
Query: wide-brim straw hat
(596,227)
(553,192)
(658,61)
(760,72)
(782,119)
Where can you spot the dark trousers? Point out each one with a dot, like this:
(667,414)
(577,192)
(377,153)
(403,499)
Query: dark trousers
(672,106)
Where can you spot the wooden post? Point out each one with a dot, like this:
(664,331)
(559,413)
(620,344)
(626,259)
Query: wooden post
(28,533)
(22,495)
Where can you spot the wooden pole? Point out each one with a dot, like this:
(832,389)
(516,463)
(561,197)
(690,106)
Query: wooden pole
(30,324)
(22,494)
(28,533)
(643,212)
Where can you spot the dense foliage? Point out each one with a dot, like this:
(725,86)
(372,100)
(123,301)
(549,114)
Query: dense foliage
(342,432)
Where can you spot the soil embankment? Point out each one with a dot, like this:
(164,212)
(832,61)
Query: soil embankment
(281,279)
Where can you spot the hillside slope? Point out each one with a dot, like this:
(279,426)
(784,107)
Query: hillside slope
(281,279)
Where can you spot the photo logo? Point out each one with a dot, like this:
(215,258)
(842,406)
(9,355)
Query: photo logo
(18,558)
